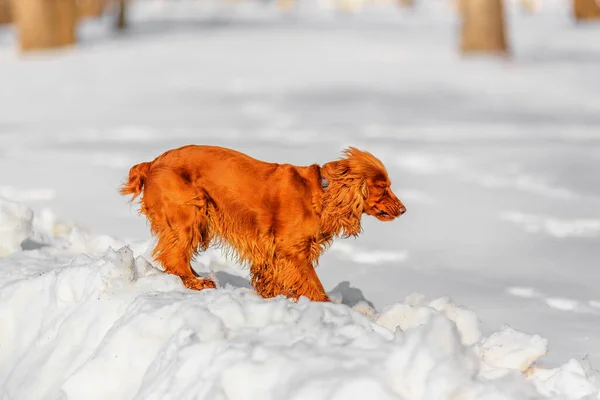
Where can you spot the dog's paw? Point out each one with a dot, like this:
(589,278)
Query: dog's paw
(199,283)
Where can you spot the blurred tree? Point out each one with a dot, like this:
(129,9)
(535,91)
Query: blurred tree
(90,8)
(45,24)
(406,3)
(482,26)
(531,6)
(122,15)
(5,14)
(586,9)
(349,6)
(285,5)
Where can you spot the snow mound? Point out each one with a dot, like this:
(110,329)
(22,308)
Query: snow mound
(512,350)
(15,226)
(415,312)
(83,326)
(21,229)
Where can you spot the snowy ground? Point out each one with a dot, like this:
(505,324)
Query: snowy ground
(80,322)
(496,161)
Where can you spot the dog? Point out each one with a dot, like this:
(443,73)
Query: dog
(276,218)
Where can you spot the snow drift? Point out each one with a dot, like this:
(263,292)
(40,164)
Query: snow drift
(87,317)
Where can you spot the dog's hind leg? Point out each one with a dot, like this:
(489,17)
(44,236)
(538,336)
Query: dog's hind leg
(179,220)
(177,245)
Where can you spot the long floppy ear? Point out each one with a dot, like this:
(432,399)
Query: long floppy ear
(335,169)
(343,201)
(347,169)
(342,207)
(364,190)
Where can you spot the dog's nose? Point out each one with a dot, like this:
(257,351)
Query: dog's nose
(398,210)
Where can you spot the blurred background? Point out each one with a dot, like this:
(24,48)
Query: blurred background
(485,112)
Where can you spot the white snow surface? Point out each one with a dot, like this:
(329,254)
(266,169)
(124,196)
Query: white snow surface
(560,228)
(80,323)
(494,264)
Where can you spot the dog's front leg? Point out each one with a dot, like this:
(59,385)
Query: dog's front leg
(263,279)
(297,277)
(289,276)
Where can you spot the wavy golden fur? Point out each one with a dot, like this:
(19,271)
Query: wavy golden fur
(277,218)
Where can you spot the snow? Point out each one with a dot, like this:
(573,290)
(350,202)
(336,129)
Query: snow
(371,256)
(560,228)
(15,226)
(415,312)
(486,286)
(513,350)
(571,375)
(11,193)
(116,326)
(425,164)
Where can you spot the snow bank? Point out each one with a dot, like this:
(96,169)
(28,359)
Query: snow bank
(20,230)
(116,327)
(15,226)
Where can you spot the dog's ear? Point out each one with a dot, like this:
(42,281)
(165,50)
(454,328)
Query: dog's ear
(364,190)
(335,169)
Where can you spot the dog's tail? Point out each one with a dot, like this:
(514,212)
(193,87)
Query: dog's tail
(136,180)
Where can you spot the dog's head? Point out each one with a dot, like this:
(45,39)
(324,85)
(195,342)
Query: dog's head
(365,178)
(381,202)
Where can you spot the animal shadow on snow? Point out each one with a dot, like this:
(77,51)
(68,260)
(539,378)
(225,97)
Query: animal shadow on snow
(225,278)
(350,295)
(30,244)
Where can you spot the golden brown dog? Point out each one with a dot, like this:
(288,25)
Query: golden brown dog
(278,218)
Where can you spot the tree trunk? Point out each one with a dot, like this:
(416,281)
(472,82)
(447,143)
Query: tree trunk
(349,6)
(45,24)
(5,13)
(90,8)
(586,9)
(285,5)
(531,6)
(122,15)
(406,3)
(483,28)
